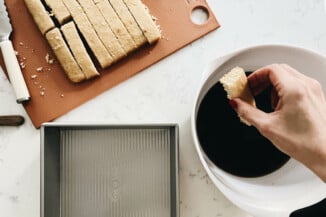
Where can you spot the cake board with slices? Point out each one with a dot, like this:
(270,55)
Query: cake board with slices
(53,94)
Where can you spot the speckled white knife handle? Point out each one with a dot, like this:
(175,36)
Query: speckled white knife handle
(14,72)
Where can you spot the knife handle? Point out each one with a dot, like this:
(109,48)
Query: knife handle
(14,72)
(11,120)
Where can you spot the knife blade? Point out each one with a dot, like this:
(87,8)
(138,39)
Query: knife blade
(9,55)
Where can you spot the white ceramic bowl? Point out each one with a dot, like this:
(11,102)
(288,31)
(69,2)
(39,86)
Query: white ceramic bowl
(292,186)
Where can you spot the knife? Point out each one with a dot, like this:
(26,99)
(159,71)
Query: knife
(11,120)
(14,72)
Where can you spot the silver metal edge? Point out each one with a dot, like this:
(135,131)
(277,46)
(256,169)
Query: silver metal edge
(105,124)
(177,193)
(42,172)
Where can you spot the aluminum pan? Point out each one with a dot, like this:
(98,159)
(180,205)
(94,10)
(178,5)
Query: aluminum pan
(78,179)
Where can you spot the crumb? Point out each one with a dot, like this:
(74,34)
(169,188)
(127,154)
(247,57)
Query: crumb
(165,38)
(34,76)
(154,18)
(48,59)
(21,43)
(62,95)
(16,53)
(22,65)
(42,93)
(39,69)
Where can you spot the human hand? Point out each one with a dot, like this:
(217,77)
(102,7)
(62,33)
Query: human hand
(298,124)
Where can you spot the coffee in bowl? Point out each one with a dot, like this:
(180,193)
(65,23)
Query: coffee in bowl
(231,145)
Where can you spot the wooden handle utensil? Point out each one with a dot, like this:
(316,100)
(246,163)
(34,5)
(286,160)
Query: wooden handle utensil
(11,120)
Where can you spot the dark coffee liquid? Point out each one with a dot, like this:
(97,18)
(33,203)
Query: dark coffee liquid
(233,146)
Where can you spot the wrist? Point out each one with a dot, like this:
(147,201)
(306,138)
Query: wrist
(320,161)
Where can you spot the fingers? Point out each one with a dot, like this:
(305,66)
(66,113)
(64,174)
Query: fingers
(262,78)
(258,81)
(274,98)
(292,71)
(252,115)
(275,75)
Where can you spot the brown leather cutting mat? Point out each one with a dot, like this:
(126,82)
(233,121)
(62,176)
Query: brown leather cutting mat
(53,95)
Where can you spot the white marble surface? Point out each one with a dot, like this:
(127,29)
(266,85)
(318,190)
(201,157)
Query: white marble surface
(162,93)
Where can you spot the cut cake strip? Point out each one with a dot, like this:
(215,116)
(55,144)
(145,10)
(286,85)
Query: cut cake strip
(64,55)
(235,84)
(78,50)
(144,20)
(59,10)
(102,55)
(129,22)
(116,25)
(103,30)
(40,15)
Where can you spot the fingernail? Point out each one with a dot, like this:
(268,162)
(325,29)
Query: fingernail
(233,104)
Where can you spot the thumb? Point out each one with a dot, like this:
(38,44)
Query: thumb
(249,113)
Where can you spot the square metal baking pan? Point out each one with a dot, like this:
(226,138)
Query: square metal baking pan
(109,170)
